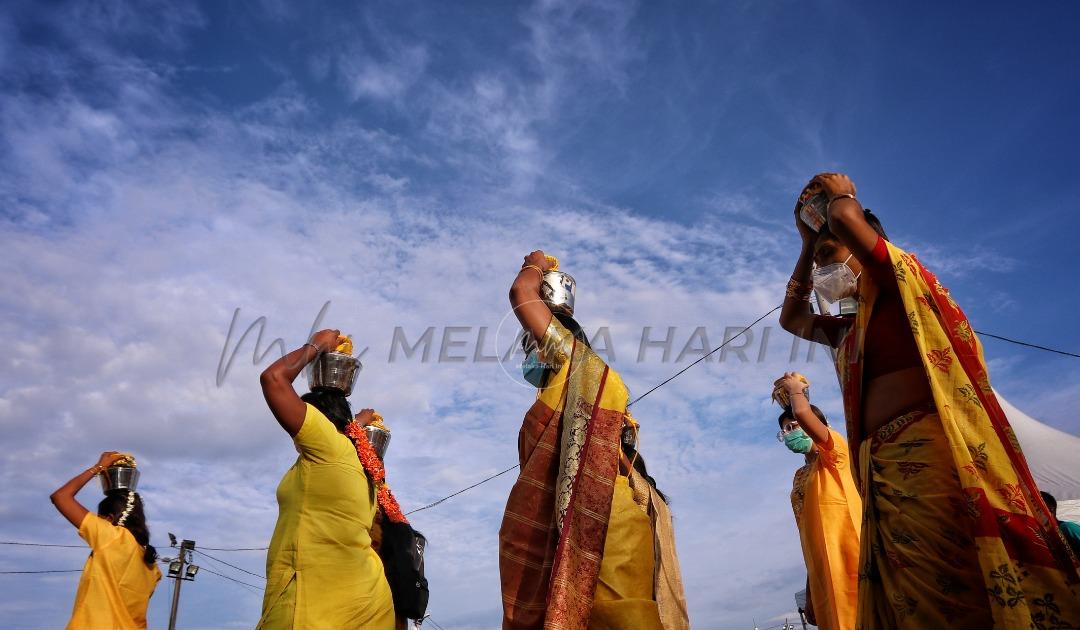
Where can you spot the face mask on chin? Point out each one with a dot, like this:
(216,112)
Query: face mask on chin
(798,441)
(532,369)
(835,282)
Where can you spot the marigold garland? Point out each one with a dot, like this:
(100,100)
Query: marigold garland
(374,468)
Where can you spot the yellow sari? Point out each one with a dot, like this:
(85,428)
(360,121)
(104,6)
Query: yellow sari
(955,534)
(576,549)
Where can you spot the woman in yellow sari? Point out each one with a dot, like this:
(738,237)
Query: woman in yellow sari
(586,540)
(321,571)
(955,534)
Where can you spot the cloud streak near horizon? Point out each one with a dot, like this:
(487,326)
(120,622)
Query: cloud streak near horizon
(158,191)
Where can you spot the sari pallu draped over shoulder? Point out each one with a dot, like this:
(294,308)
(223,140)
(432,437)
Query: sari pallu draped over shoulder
(551,542)
(1028,573)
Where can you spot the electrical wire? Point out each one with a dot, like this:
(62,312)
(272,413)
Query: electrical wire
(1027,345)
(702,358)
(48,571)
(261,577)
(235,548)
(481,482)
(30,544)
(222,575)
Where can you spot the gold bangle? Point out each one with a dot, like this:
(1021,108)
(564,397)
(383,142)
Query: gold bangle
(538,270)
(841,196)
(797,290)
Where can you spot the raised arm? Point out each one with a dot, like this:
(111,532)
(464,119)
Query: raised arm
(796,317)
(277,380)
(846,217)
(530,310)
(64,498)
(798,394)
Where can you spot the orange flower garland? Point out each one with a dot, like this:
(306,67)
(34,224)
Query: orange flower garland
(373,466)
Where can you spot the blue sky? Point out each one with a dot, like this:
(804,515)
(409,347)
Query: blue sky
(162,164)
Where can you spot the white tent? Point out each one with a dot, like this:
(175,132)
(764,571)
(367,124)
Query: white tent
(1052,455)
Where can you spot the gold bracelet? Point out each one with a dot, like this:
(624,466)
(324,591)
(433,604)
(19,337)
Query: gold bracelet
(841,196)
(95,470)
(538,270)
(797,290)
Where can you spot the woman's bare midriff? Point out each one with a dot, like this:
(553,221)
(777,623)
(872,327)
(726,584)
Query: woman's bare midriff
(893,394)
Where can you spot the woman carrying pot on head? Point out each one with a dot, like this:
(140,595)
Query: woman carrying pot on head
(954,531)
(321,570)
(586,539)
(121,573)
(827,507)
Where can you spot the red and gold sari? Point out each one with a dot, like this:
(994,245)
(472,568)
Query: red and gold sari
(555,530)
(954,531)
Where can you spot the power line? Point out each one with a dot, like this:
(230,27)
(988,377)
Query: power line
(29,544)
(431,505)
(202,553)
(49,571)
(235,548)
(1027,345)
(222,575)
(700,359)
(435,623)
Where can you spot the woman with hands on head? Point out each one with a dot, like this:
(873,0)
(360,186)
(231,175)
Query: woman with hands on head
(576,482)
(826,503)
(121,573)
(321,569)
(953,520)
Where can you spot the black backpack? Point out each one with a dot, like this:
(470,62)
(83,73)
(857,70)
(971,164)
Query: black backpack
(402,553)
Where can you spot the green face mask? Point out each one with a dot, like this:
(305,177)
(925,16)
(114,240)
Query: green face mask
(798,441)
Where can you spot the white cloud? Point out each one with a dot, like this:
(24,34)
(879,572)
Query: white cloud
(136,221)
(366,77)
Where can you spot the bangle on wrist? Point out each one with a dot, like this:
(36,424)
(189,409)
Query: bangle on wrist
(842,196)
(317,348)
(538,270)
(798,290)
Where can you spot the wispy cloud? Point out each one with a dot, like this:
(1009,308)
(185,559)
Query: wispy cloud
(137,216)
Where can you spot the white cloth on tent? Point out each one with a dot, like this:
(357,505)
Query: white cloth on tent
(1052,455)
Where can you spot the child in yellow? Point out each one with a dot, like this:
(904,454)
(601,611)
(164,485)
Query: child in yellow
(120,575)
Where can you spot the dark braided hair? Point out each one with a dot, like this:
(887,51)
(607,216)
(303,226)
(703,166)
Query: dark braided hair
(113,505)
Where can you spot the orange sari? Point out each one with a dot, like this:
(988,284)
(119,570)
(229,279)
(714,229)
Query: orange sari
(954,532)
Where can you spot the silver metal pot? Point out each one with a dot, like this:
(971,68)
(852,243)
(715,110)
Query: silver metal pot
(557,290)
(379,438)
(119,478)
(333,370)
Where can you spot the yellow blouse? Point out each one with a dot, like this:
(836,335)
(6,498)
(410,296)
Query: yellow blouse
(828,511)
(116,584)
(321,570)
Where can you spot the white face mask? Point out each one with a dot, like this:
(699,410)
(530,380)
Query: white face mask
(835,282)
